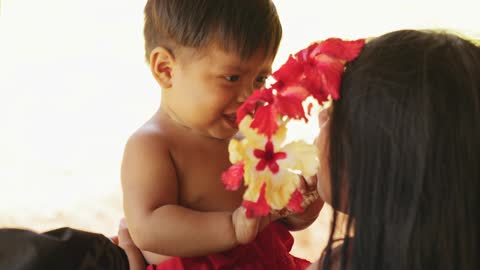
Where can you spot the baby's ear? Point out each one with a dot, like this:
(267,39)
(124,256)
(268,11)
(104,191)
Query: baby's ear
(161,64)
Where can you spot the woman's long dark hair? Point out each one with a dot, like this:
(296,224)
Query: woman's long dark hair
(405,140)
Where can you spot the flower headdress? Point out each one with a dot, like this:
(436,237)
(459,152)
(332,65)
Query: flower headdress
(262,160)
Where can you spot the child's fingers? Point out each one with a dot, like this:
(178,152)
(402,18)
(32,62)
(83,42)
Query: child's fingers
(134,255)
(246,229)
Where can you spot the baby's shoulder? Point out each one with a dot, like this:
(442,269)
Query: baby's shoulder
(149,139)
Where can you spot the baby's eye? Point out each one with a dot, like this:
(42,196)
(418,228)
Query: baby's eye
(232,78)
(262,79)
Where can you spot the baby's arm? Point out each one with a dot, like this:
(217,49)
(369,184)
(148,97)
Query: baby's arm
(155,220)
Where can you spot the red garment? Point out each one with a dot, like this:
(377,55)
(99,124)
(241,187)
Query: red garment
(270,250)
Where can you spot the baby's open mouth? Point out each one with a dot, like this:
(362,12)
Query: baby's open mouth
(231,119)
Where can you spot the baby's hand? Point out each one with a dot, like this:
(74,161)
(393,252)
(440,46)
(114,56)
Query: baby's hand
(246,229)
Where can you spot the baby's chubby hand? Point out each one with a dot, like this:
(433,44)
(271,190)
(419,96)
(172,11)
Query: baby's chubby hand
(246,229)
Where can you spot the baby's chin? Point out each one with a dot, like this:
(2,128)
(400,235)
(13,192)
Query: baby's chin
(238,135)
(233,135)
(224,135)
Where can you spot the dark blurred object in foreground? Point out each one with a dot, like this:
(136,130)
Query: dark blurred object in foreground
(63,248)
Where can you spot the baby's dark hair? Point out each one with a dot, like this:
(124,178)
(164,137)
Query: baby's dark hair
(405,146)
(242,26)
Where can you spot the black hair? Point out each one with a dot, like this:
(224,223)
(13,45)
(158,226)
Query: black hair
(405,141)
(242,26)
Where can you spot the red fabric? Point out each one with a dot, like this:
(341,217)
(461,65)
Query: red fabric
(270,250)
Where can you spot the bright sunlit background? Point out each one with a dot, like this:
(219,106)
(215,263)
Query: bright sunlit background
(74,85)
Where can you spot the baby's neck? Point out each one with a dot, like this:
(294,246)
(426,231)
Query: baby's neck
(168,117)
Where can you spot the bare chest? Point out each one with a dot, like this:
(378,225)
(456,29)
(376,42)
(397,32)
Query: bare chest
(199,170)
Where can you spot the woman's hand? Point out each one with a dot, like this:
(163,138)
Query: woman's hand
(312,205)
(134,255)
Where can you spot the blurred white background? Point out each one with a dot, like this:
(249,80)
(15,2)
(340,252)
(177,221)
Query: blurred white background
(74,85)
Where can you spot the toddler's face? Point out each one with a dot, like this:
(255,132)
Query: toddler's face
(208,89)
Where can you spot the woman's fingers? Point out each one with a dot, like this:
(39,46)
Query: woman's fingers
(312,182)
(135,257)
(308,184)
(114,239)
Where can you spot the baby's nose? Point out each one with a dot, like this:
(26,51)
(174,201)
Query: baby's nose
(241,99)
(244,94)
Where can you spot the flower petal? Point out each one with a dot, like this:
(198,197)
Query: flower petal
(341,49)
(236,151)
(273,166)
(258,208)
(249,174)
(261,165)
(252,138)
(289,72)
(258,98)
(302,157)
(265,120)
(289,102)
(279,189)
(232,178)
(279,137)
(254,187)
(295,203)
